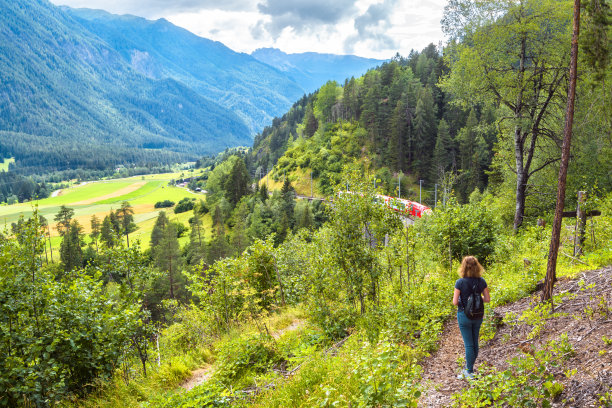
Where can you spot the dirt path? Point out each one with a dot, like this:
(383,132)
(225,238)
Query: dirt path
(441,368)
(584,319)
(200,375)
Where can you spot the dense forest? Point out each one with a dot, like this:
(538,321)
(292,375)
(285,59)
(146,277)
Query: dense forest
(283,301)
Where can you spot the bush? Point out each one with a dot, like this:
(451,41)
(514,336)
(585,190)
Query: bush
(186,204)
(468,229)
(255,354)
(164,204)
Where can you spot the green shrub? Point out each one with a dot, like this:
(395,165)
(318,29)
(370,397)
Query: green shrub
(528,382)
(238,357)
(468,229)
(164,204)
(186,204)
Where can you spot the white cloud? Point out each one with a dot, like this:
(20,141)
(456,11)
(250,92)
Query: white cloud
(369,28)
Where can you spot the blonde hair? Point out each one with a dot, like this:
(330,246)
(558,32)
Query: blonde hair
(470,267)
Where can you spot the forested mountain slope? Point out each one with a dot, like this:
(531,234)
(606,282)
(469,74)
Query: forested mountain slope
(394,119)
(159,49)
(311,70)
(69,100)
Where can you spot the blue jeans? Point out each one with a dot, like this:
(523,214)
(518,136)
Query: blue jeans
(470,329)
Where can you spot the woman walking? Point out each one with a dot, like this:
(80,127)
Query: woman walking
(471,281)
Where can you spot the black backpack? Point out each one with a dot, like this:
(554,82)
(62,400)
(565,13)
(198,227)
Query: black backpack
(474,307)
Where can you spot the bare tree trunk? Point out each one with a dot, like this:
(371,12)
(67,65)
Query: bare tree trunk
(551,274)
(521,187)
(171,280)
(519,145)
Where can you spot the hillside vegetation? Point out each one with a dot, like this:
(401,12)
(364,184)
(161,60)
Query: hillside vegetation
(71,101)
(268,300)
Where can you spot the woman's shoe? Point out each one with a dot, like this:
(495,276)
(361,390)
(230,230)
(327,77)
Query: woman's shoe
(465,375)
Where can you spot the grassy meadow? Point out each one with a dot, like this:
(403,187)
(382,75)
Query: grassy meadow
(100,197)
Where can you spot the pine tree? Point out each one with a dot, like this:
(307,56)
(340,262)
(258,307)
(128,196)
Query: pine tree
(263,193)
(443,152)
(239,240)
(237,183)
(63,219)
(304,217)
(196,250)
(107,234)
(288,204)
(467,140)
(424,132)
(158,229)
(115,222)
(125,215)
(397,144)
(218,247)
(95,230)
(167,255)
(71,252)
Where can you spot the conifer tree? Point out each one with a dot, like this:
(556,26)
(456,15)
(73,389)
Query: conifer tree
(167,255)
(63,219)
(239,240)
(397,144)
(71,252)
(115,222)
(125,215)
(237,183)
(196,239)
(158,229)
(107,233)
(95,230)
(218,247)
(263,193)
(424,132)
(443,152)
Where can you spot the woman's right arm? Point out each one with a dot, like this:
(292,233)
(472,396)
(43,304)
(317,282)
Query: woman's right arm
(486,296)
(456,297)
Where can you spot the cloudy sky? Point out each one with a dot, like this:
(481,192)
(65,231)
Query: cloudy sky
(368,28)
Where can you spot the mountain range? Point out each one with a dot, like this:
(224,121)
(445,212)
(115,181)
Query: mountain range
(84,88)
(311,70)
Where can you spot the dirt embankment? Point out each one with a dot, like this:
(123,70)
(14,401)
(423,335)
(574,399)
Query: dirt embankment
(584,316)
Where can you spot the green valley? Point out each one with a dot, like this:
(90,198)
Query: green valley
(276,275)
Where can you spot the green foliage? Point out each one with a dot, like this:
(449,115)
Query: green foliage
(186,204)
(164,204)
(241,358)
(460,230)
(528,382)
(64,334)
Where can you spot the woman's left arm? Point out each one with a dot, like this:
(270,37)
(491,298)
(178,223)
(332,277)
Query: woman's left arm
(456,297)
(486,296)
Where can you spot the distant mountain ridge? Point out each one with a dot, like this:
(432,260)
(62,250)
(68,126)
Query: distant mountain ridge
(83,88)
(68,100)
(159,49)
(312,70)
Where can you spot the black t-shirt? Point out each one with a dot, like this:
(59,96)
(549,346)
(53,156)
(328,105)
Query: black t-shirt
(465,286)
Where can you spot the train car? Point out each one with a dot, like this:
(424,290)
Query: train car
(403,206)
(400,205)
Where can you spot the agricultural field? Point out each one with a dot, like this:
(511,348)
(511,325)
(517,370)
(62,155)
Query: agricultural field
(100,197)
(4,166)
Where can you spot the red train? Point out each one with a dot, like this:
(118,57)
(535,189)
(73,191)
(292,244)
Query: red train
(403,206)
(400,205)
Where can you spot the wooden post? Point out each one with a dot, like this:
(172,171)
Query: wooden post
(580,224)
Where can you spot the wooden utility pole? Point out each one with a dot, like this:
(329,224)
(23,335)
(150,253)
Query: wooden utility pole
(551,268)
(580,223)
